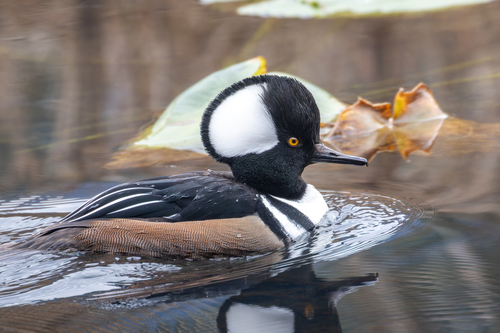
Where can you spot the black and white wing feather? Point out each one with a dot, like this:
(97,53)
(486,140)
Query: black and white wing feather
(186,197)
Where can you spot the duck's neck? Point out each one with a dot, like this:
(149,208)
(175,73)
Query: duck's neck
(284,184)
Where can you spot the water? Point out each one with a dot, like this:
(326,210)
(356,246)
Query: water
(355,222)
(407,246)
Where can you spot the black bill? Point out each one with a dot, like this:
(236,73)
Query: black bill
(327,155)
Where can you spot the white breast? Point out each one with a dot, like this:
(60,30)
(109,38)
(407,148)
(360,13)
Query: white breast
(292,229)
(311,205)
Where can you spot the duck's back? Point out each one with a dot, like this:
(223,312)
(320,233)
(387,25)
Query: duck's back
(190,196)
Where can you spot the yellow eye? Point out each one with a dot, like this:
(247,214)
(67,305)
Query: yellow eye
(293,142)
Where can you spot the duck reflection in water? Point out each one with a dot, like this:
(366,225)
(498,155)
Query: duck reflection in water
(293,301)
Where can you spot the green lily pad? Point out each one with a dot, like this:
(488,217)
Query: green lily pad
(179,125)
(208,2)
(324,8)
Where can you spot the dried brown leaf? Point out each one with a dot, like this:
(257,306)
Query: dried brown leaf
(416,105)
(360,118)
(364,128)
(364,145)
(415,136)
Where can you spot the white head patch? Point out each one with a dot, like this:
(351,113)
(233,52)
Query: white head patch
(241,124)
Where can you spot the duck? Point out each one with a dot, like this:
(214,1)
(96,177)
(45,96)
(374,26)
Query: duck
(266,128)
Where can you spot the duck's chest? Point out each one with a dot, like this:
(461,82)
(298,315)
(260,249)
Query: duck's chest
(291,218)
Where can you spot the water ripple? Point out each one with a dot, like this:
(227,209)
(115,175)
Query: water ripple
(355,222)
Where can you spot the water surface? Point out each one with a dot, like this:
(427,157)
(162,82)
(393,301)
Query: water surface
(407,246)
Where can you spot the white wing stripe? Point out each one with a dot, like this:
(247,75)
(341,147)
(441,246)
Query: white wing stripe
(92,212)
(91,201)
(134,206)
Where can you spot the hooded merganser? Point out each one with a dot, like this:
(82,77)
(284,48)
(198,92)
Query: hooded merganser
(266,128)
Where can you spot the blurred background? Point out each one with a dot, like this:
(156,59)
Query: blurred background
(79,79)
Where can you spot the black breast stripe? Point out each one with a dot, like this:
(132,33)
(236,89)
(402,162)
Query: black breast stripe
(272,222)
(293,213)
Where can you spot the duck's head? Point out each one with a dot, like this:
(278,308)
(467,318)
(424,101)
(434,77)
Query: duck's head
(266,128)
